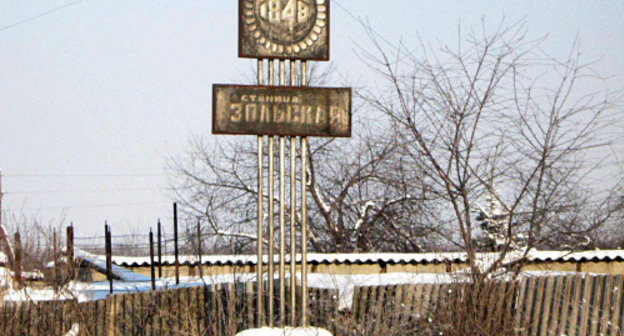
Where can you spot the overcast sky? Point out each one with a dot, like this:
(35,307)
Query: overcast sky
(95,95)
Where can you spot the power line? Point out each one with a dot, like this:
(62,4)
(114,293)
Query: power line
(56,9)
(82,175)
(367,26)
(93,206)
(81,191)
(112,236)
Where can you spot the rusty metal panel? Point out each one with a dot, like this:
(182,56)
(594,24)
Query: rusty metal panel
(285,29)
(281,110)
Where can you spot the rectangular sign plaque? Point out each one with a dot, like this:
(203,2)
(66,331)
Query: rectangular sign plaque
(281,110)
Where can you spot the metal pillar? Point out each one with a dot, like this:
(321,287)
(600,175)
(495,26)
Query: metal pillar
(284,317)
(282,232)
(293,209)
(304,215)
(282,258)
(259,264)
(271,210)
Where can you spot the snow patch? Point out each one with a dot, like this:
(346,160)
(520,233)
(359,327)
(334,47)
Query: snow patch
(287,331)
(46,294)
(6,275)
(326,208)
(75,329)
(345,284)
(363,212)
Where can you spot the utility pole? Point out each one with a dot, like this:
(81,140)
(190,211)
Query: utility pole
(175,243)
(151,249)
(1,193)
(8,250)
(19,276)
(109,256)
(70,250)
(199,249)
(55,270)
(159,252)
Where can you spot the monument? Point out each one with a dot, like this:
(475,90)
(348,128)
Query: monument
(293,32)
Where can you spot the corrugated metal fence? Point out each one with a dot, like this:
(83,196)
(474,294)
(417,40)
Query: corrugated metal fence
(571,305)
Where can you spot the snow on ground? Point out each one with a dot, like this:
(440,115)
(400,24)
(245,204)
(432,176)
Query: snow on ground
(6,275)
(544,273)
(45,294)
(75,329)
(99,290)
(345,283)
(288,331)
(86,291)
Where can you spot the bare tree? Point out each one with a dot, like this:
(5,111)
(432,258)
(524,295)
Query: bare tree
(359,198)
(357,201)
(495,110)
(362,197)
(36,238)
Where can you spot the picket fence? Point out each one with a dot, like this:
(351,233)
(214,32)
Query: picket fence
(571,305)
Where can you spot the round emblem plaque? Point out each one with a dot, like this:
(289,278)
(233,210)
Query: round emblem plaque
(284,28)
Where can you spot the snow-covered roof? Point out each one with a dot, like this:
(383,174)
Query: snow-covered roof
(377,258)
(313,258)
(99,263)
(562,256)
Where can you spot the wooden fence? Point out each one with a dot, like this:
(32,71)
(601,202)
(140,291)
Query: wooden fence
(433,309)
(572,305)
(207,310)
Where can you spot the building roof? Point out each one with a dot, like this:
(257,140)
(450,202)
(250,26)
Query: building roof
(375,258)
(98,262)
